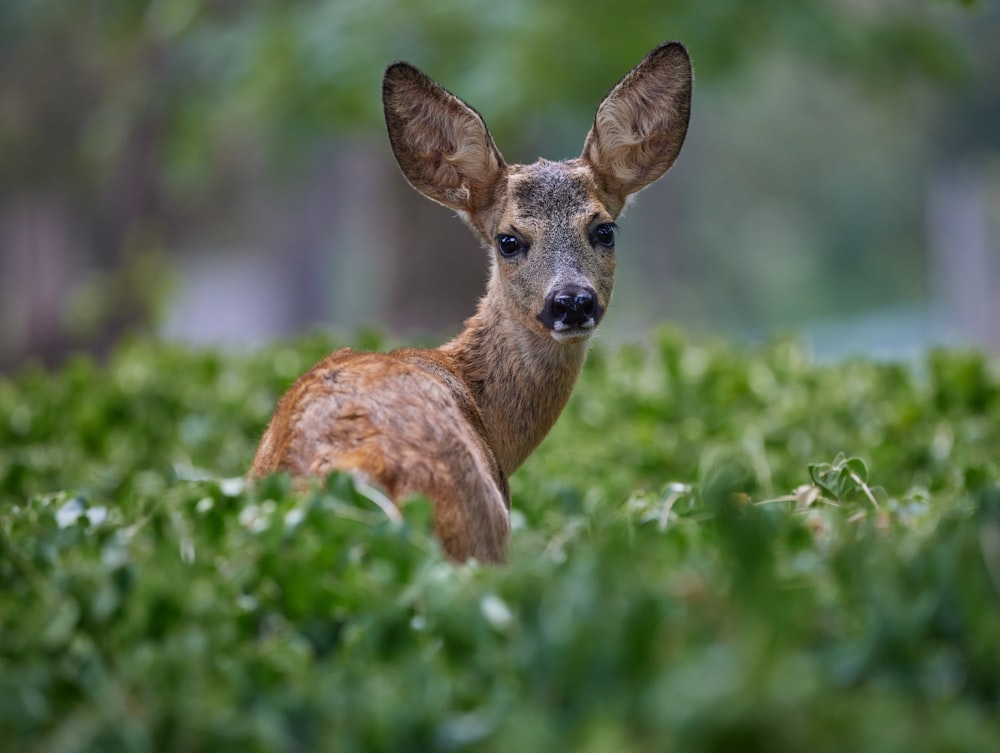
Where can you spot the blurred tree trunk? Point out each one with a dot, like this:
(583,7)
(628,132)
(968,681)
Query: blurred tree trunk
(965,259)
(438,267)
(130,222)
(35,272)
(47,249)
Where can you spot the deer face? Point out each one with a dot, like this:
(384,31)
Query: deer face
(550,224)
(554,249)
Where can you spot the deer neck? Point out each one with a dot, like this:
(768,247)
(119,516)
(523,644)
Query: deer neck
(519,379)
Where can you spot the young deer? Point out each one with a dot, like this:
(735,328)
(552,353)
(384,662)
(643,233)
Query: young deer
(453,423)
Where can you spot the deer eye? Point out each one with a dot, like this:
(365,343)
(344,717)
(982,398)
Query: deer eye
(604,234)
(509,244)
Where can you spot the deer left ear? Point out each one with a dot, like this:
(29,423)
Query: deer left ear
(640,126)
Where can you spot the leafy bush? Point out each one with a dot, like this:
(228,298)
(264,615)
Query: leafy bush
(714,550)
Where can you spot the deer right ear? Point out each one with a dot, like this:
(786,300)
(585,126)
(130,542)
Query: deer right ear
(441,144)
(640,126)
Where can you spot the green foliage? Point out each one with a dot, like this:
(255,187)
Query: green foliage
(294,72)
(714,550)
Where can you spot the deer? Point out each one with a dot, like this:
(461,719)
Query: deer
(453,423)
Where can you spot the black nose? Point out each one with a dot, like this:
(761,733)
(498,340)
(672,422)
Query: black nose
(573,306)
(569,307)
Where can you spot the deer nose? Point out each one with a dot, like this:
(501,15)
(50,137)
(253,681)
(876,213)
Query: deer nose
(571,306)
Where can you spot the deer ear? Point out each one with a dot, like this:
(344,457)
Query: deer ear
(640,126)
(441,144)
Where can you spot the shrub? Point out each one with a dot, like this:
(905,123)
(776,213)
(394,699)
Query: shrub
(714,550)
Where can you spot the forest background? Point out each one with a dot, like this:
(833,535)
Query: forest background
(218,172)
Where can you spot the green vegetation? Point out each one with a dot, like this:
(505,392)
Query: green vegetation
(695,567)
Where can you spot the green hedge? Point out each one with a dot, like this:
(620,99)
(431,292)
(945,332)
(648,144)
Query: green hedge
(714,550)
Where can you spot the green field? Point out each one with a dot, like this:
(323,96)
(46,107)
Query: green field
(716,549)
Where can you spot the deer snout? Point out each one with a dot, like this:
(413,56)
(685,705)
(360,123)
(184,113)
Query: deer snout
(571,310)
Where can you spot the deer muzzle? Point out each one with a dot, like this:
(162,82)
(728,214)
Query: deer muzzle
(571,312)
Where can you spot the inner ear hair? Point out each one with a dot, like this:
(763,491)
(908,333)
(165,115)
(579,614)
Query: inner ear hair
(640,125)
(441,144)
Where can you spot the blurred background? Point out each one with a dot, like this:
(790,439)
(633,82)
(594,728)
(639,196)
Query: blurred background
(217,171)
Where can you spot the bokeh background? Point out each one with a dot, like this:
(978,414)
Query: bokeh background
(217,171)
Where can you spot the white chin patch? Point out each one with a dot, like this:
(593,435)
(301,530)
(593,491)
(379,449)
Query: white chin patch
(575,335)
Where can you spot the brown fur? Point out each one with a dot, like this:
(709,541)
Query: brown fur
(453,423)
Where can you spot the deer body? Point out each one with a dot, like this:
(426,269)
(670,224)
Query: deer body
(453,423)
